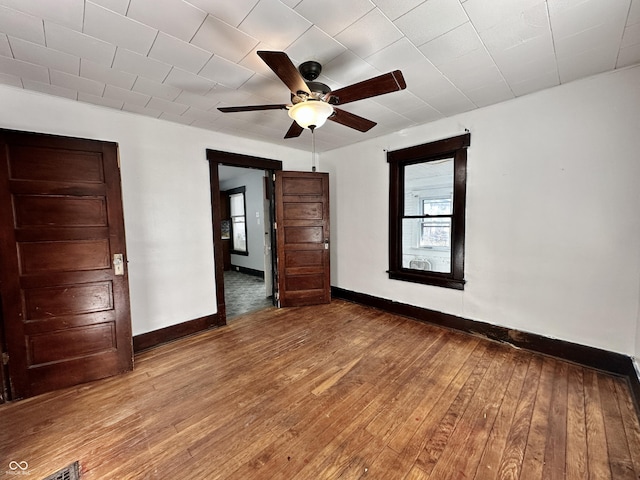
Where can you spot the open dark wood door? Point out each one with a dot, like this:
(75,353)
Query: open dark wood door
(63,281)
(302,219)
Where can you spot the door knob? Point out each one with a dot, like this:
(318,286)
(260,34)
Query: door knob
(118,263)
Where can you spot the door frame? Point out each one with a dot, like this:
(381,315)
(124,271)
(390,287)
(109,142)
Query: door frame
(216,158)
(4,369)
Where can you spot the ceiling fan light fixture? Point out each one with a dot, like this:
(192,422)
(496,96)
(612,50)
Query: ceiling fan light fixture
(312,113)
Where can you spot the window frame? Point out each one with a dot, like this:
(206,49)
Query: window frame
(456,148)
(232,249)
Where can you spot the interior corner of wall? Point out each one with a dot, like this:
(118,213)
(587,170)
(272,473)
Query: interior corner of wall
(634,360)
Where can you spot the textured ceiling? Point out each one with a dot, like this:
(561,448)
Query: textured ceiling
(180,60)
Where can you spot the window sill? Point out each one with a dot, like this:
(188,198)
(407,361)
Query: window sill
(437,280)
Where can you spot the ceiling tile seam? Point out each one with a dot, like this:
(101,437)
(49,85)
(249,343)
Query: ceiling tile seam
(243,83)
(444,76)
(247,16)
(414,8)
(80,66)
(114,60)
(380,49)
(448,31)
(484,46)
(626,24)
(84,16)
(213,53)
(352,23)
(9,38)
(250,52)
(211,80)
(197,29)
(44,32)
(13,55)
(424,56)
(155,39)
(553,43)
(300,36)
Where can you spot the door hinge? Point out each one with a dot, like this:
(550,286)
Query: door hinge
(275,225)
(5,358)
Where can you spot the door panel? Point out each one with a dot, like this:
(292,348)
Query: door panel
(43,303)
(302,217)
(65,311)
(57,256)
(38,211)
(304,235)
(302,211)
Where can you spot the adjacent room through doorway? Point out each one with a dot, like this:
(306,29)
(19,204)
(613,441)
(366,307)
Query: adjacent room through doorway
(246,239)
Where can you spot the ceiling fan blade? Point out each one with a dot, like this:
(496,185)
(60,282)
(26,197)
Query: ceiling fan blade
(387,83)
(251,108)
(350,120)
(286,71)
(294,131)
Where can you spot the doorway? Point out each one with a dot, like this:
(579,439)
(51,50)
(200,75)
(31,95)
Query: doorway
(228,173)
(245,205)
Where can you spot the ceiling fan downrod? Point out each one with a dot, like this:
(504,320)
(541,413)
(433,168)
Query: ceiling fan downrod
(313,147)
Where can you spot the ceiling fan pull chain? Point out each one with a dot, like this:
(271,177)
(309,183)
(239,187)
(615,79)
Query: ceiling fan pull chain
(313,147)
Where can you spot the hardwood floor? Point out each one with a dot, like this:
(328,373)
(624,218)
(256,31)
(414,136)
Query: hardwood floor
(333,391)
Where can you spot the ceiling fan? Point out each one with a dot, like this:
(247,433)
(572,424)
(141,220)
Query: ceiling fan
(312,103)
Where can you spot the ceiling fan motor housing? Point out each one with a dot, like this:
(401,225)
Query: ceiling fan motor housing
(310,70)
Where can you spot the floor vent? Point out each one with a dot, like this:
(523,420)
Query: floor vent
(72,472)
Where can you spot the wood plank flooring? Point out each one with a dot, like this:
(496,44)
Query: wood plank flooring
(332,391)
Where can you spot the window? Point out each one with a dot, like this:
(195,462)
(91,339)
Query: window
(427,193)
(238,221)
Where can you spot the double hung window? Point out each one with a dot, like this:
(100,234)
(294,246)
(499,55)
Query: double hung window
(427,195)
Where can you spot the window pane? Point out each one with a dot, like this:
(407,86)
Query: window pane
(437,206)
(435,232)
(426,244)
(429,186)
(237,204)
(239,235)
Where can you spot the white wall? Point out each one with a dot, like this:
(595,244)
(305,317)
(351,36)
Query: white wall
(552,214)
(253,180)
(565,159)
(165,189)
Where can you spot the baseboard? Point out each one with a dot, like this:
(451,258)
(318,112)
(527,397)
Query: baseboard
(148,340)
(634,385)
(248,271)
(604,360)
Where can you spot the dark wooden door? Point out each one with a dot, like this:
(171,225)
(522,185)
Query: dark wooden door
(64,291)
(302,219)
